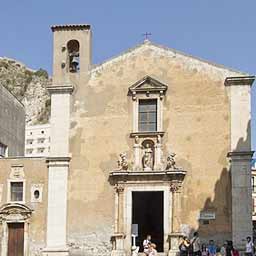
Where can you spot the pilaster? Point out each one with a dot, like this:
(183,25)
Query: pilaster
(241,196)
(239,89)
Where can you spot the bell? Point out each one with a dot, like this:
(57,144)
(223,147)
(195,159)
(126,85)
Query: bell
(74,63)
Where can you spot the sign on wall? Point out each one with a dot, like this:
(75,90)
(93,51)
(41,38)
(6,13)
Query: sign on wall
(207,216)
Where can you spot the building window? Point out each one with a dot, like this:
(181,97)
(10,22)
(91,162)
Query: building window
(16,191)
(253,184)
(40,150)
(147,115)
(3,150)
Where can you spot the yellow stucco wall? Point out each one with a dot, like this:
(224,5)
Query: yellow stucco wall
(196,125)
(35,172)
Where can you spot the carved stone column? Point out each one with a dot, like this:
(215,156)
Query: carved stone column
(137,149)
(158,154)
(118,238)
(175,234)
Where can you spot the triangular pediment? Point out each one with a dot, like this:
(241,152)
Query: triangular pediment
(148,84)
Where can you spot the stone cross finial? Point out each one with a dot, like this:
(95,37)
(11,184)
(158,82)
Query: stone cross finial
(146,35)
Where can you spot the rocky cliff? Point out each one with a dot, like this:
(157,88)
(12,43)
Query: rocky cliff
(29,86)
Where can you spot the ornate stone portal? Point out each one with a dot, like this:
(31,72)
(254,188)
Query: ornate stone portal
(14,213)
(147,172)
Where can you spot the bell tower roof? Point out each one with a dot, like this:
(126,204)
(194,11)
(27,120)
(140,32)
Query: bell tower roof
(70,27)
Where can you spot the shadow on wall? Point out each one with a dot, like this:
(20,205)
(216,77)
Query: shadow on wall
(219,227)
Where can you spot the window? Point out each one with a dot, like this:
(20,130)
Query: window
(253,184)
(40,150)
(16,191)
(147,115)
(3,150)
(29,151)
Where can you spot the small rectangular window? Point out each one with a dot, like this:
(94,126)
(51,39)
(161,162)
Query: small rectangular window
(16,191)
(148,115)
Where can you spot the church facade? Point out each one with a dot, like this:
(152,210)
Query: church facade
(153,141)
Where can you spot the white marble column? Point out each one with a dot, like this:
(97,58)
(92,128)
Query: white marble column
(58,166)
(239,92)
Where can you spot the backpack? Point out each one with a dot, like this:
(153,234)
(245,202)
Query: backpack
(235,253)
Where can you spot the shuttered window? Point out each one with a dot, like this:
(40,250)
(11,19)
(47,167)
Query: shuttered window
(147,115)
(16,191)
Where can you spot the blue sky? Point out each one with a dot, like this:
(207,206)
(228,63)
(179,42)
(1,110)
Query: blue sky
(222,31)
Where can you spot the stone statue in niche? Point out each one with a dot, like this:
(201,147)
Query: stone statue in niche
(171,164)
(122,162)
(147,159)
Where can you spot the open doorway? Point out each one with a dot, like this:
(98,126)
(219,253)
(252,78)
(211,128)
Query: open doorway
(147,212)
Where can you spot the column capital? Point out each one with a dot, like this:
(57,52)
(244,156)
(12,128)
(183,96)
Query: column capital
(119,188)
(66,88)
(239,80)
(240,155)
(175,186)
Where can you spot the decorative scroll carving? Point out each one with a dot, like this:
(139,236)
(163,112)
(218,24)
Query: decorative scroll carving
(119,188)
(122,162)
(175,186)
(17,172)
(171,164)
(14,212)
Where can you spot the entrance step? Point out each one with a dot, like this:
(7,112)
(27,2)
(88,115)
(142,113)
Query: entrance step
(158,254)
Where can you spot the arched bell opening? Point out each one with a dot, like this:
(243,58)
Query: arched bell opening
(73,56)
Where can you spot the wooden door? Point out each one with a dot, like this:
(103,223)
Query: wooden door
(15,239)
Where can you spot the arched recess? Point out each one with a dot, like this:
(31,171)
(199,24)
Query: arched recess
(10,214)
(148,159)
(73,47)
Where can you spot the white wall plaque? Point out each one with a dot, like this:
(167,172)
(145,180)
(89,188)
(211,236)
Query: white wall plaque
(207,216)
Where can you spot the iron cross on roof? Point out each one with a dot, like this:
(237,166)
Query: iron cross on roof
(146,35)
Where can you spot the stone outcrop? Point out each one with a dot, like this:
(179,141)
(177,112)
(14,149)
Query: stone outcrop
(29,86)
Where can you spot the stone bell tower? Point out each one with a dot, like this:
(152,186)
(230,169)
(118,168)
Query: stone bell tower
(71,52)
(71,61)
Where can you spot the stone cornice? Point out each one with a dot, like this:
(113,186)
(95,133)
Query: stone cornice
(58,159)
(60,89)
(70,27)
(147,134)
(176,174)
(239,80)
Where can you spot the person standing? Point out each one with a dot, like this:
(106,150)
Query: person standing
(223,249)
(195,242)
(249,247)
(212,248)
(184,246)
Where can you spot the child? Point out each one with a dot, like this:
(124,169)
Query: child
(146,244)
(204,250)
(152,250)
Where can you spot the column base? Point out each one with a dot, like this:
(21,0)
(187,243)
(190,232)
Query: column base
(55,252)
(118,253)
(118,244)
(174,239)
